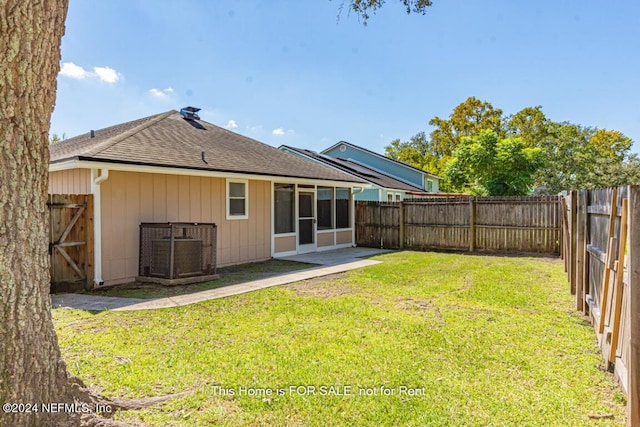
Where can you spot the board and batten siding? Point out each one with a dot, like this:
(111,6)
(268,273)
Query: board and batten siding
(129,198)
(73,181)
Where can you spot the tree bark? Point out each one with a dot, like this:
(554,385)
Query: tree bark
(31,367)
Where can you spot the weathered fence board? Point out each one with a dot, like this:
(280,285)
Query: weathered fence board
(70,240)
(505,224)
(601,250)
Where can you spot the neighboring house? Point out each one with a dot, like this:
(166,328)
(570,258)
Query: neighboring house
(173,167)
(384,188)
(401,171)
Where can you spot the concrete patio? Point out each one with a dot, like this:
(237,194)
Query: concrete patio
(329,262)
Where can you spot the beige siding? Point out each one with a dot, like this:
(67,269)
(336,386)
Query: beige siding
(284,244)
(74,181)
(129,198)
(325,239)
(343,237)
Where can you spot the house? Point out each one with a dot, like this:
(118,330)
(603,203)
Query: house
(174,167)
(384,188)
(398,170)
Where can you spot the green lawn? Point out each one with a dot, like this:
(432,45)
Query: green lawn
(478,341)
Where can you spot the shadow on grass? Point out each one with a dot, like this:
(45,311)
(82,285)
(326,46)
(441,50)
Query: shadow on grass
(231,275)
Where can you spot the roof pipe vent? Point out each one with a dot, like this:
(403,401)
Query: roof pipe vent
(190,113)
(92,133)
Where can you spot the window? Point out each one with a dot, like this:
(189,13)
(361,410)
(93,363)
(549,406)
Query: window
(397,197)
(325,208)
(237,199)
(428,185)
(389,197)
(284,208)
(342,208)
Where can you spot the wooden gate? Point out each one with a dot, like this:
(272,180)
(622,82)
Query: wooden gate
(70,241)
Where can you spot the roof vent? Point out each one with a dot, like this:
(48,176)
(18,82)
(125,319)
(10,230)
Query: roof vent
(190,113)
(92,133)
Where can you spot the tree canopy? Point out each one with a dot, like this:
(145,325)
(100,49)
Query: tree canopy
(572,156)
(487,166)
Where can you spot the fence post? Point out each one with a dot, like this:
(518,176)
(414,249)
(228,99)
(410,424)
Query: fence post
(401,224)
(472,224)
(574,241)
(580,249)
(633,370)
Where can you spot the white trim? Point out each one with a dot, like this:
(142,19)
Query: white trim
(85,164)
(333,230)
(313,246)
(246,198)
(97,178)
(272,196)
(291,234)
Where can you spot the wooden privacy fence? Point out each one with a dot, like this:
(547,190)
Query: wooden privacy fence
(504,224)
(70,241)
(601,252)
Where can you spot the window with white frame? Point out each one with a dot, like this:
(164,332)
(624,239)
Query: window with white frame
(237,199)
(428,185)
(343,219)
(397,197)
(325,208)
(389,197)
(284,208)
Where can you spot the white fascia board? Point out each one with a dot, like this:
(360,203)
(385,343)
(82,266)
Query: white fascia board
(86,164)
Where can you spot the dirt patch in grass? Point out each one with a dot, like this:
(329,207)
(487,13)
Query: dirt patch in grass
(330,286)
(419,305)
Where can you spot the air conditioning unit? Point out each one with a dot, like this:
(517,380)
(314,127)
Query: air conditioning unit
(187,257)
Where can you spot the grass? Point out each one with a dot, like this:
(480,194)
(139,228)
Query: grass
(482,341)
(228,276)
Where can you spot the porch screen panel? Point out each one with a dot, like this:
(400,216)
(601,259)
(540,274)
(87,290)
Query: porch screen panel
(342,208)
(284,208)
(325,208)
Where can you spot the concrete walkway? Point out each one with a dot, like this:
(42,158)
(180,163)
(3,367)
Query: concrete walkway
(330,262)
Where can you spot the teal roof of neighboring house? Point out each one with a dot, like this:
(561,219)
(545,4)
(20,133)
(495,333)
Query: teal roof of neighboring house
(360,171)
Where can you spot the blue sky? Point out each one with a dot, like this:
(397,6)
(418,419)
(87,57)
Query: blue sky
(288,72)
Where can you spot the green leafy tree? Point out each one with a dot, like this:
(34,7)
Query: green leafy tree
(487,165)
(529,124)
(417,152)
(468,119)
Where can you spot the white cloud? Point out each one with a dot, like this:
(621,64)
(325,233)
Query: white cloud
(161,93)
(255,129)
(231,124)
(281,131)
(69,69)
(105,74)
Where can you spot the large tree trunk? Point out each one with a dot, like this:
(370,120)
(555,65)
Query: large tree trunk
(31,368)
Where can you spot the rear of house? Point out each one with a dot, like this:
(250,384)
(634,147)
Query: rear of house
(173,167)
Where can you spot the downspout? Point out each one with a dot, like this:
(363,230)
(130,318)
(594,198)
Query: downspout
(98,176)
(353,214)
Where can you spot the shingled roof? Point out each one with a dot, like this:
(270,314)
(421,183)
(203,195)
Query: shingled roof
(359,170)
(168,140)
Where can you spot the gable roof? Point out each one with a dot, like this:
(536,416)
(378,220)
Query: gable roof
(168,140)
(357,147)
(358,170)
